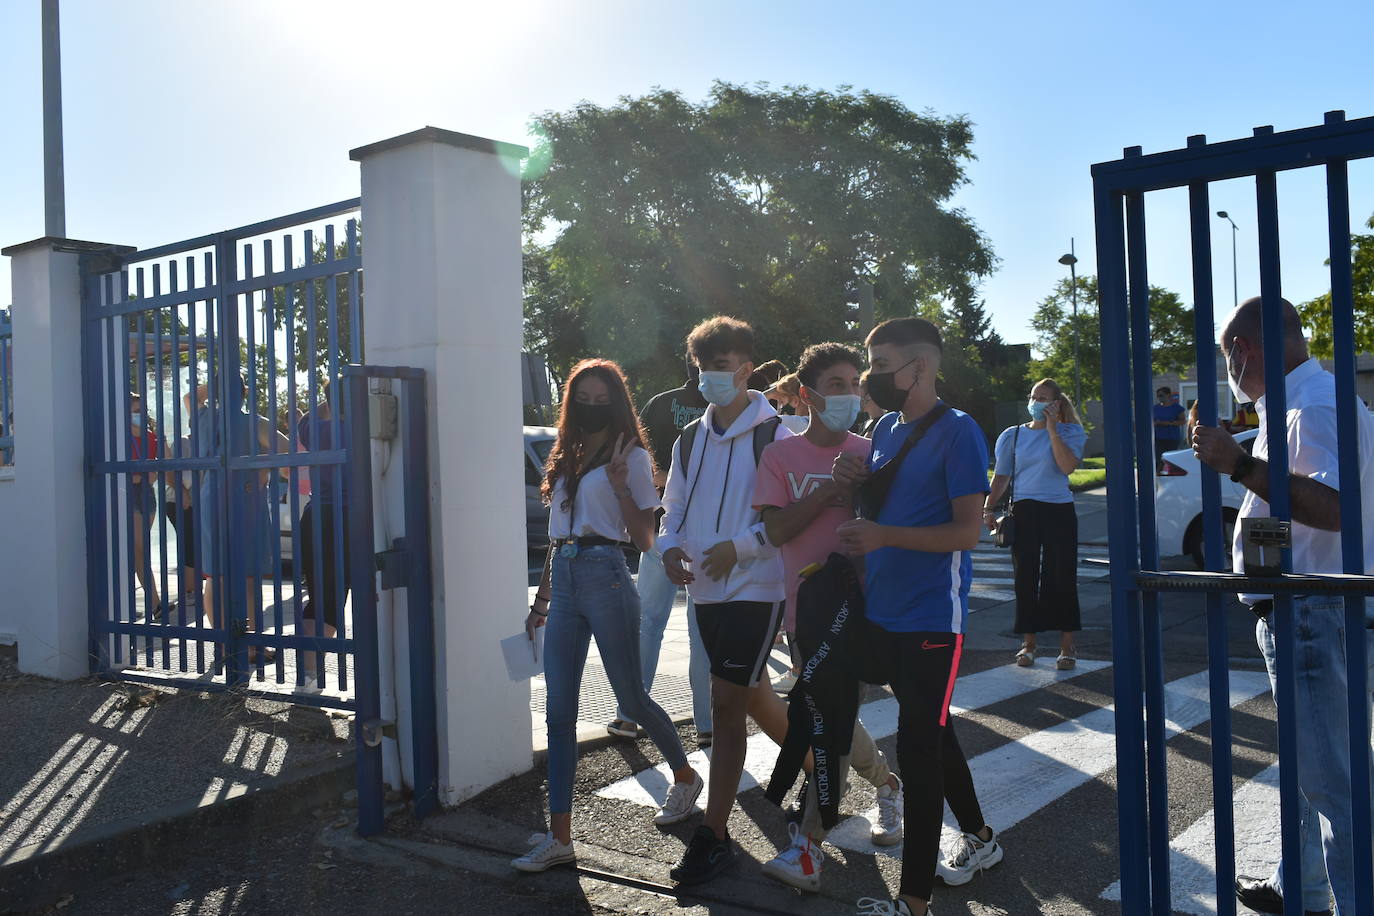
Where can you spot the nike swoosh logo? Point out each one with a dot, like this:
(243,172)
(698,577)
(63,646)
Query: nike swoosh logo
(929,645)
(730,664)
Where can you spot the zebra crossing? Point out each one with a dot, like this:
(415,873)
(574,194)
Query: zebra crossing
(993,576)
(1021,777)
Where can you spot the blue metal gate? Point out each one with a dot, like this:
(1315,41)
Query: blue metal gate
(217,445)
(1136,575)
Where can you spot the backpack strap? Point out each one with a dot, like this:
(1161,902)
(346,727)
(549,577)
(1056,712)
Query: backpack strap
(688,438)
(764,434)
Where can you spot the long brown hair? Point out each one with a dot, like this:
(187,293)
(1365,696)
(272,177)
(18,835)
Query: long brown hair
(1068,413)
(568,459)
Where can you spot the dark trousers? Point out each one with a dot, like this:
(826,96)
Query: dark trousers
(922,668)
(326,582)
(1045,559)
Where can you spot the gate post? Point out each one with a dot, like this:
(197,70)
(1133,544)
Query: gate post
(46,576)
(442,268)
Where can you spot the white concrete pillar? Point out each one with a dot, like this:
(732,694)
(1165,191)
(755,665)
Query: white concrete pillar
(441,263)
(45,582)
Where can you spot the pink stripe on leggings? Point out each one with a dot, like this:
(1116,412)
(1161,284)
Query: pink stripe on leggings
(953,673)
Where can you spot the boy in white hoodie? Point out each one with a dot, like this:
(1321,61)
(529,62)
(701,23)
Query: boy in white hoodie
(735,579)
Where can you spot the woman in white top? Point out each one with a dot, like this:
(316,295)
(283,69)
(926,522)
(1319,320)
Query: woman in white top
(599,484)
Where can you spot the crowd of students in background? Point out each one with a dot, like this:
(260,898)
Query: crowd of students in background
(738,485)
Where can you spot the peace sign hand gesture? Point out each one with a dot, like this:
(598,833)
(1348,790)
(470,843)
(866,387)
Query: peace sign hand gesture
(618,471)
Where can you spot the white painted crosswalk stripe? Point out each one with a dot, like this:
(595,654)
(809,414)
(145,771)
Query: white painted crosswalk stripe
(1192,854)
(1018,779)
(973,691)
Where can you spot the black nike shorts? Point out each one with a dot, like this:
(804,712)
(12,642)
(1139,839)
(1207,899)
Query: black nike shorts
(738,636)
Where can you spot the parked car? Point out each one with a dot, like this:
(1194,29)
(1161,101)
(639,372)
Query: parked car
(1178,501)
(538,444)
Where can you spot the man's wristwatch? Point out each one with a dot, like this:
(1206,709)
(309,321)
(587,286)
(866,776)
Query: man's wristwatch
(1244,465)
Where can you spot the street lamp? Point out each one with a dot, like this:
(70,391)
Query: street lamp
(1070,260)
(1235,294)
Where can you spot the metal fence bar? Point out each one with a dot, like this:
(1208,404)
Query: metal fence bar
(1218,665)
(1276,411)
(363,569)
(1156,766)
(1127,677)
(1352,535)
(420,601)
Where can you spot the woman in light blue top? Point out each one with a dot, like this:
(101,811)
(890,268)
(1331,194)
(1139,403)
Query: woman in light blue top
(1035,459)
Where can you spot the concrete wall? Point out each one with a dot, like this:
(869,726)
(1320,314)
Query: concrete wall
(9,536)
(43,568)
(443,272)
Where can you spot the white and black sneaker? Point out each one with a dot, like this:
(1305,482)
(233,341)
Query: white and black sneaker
(888,830)
(681,802)
(969,856)
(546,853)
(799,865)
(881,906)
(622,728)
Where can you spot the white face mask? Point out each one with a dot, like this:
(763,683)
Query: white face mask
(840,412)
(718,388)
(136,419)
(1234,379)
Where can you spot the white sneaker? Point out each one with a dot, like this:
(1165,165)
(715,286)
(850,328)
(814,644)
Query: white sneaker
(681,802)
(547,853)
(888,830)
(881,906)
(311,685)
(970,856)
(799,865)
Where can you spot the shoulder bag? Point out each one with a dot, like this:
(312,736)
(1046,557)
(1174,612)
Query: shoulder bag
(1004,534)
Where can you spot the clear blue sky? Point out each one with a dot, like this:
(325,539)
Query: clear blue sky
(187,117)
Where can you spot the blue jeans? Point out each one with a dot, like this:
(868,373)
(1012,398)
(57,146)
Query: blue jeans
(593,595)
(656,596)
(1323,749)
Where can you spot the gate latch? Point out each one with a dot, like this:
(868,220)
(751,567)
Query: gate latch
(394,565)
(374,730)
(1262,541)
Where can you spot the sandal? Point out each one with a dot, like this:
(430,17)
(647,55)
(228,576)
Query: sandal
(1025,656)
(1067,660)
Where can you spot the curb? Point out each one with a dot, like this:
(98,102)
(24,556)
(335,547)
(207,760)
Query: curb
(590,740)
(33,877)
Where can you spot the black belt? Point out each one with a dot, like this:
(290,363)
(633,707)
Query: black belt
(594,541)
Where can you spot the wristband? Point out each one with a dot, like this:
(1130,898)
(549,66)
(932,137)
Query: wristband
(537,613)
(1244,464)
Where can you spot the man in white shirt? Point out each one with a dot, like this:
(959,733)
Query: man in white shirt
(1320,664)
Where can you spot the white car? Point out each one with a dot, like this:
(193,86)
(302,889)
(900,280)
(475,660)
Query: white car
(1178,501)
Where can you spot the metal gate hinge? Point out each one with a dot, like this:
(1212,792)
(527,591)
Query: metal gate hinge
(374,730)
(394,565)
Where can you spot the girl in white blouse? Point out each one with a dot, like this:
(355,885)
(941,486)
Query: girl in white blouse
(599,484)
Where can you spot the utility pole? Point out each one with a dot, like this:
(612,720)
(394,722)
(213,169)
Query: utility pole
(54,184)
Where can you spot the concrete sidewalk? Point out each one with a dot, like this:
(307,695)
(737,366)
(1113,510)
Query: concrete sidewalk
(96,776)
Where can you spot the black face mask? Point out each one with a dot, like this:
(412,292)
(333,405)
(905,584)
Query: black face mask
(591,418)
(882,388)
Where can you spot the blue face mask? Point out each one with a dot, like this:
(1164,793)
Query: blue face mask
(841,410)
(1037,410)
(718,388)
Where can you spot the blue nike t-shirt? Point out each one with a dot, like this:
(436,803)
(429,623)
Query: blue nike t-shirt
(911,591)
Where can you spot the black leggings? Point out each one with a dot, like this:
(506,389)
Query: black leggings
(922,668)
(325,582)
(1044,556)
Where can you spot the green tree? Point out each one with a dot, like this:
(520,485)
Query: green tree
(1171,335)
(644,217)
(979,369)
(1316,314)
